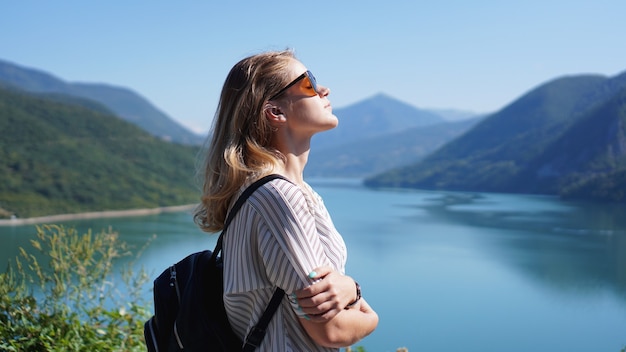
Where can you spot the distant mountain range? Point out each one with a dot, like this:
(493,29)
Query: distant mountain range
(122,102)
(68,147)
(376,116)
(362,122)
(380,133)
(566,137)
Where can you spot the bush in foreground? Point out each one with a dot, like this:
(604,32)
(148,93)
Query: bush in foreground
(72,302)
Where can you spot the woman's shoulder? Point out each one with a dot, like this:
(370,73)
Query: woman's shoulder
(279,191)
(281,187)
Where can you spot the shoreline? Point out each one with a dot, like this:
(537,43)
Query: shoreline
(95,215)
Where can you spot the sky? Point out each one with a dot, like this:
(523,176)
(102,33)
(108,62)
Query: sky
(475,56)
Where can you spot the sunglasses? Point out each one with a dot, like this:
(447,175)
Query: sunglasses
(309,89)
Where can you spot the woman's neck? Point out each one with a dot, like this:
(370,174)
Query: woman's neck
(296,154)
(293,166)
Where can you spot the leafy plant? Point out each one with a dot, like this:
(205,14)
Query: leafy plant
(73,302)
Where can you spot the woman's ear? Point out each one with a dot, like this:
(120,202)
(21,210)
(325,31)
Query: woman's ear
(274,114)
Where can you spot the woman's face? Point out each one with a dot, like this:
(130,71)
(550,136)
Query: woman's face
(306,111)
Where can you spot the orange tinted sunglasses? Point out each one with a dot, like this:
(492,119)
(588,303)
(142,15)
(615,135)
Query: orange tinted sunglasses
(308,75)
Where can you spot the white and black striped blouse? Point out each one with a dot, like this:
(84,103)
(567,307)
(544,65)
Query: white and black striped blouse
(278,237)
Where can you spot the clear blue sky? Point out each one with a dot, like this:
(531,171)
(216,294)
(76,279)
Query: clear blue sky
(469,55)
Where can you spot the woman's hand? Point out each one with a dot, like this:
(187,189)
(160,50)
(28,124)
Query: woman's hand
(328,295)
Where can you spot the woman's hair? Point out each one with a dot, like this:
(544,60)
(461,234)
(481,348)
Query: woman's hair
(240,139)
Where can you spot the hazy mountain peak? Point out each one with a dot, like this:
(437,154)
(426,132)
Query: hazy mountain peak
(382,100)
(374,116)
(122,101)
(30,79)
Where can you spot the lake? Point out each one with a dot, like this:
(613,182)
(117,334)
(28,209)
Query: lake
(449,271)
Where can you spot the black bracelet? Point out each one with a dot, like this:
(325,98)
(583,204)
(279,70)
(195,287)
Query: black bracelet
(358,295)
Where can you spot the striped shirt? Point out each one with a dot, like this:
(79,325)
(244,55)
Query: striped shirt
(278,237)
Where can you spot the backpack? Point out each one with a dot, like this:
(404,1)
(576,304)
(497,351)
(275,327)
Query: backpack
(189,311)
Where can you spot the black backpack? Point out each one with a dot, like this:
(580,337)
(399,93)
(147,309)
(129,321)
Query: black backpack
(189,311)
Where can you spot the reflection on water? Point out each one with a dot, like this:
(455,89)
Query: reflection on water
(573,246)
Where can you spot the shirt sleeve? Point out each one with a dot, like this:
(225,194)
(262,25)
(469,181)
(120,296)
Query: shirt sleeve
(289,243)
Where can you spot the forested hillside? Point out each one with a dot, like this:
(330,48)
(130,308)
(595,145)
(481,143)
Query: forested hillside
(57,157)
(589,159)
(565,137)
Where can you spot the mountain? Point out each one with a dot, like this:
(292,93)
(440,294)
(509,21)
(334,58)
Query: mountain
(527,146)
(380,133)
(375,116)
(368,156)
(123,102)
(454,114)
(59,156)
(589,159)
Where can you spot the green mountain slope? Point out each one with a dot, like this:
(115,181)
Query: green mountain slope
(121,101)
(57,157)
(589,159)
(502,153)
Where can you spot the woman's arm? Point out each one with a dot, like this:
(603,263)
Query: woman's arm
(329,321)
(345,329)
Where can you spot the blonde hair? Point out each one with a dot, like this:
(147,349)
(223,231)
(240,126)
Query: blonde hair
(240,139)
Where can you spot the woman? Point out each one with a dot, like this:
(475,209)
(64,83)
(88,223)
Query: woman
(269,109)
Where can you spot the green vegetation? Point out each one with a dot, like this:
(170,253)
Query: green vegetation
(64,295)
(73,302)
(58,157)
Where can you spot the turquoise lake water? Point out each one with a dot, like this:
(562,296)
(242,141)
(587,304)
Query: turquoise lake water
(449,271)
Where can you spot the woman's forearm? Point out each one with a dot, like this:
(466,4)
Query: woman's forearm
(346,328)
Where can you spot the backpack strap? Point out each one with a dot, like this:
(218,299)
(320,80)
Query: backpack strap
(257,333)
(242,199)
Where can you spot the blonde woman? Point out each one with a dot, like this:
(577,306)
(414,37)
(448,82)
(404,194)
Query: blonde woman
(283,236)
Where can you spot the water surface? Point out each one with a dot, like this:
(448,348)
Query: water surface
(450,271)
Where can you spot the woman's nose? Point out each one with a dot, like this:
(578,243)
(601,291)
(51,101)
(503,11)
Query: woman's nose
(324,91)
